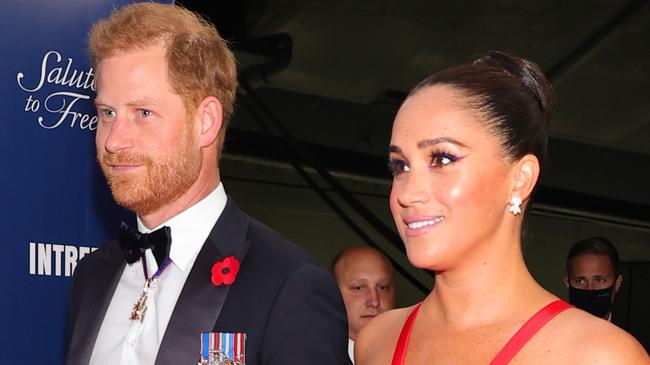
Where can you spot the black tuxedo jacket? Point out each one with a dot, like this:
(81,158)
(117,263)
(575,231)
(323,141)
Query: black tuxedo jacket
(290,309)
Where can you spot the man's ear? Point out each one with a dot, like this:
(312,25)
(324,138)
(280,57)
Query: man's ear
(209,115)
(566,282)
(617,284)
(524,176)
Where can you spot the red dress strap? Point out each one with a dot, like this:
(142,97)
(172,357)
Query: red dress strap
(403,341)
(525,333)
(528,330)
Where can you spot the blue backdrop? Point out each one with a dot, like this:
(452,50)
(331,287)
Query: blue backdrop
(55,204)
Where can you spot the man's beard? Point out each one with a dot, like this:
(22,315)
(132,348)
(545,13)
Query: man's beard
(162,182)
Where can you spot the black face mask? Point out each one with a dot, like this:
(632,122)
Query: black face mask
(597,302)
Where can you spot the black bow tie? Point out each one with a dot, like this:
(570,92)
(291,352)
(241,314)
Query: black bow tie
(134,243)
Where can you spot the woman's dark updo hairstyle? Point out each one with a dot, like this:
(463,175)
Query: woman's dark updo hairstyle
(512,92)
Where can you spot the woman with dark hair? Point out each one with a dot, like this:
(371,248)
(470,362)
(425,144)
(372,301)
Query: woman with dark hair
(466,153)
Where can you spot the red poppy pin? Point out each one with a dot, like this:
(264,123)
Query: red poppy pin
(225,271)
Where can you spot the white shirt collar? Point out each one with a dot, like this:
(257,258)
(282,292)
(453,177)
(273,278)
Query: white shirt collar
(191,227)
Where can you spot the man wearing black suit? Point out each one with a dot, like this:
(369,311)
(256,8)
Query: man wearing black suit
(593,276)
(227,288)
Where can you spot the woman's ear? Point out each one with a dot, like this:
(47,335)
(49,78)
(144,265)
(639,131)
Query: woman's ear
(525,175)
(210,120)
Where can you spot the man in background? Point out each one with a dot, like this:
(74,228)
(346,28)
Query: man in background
(593,276)
(367,283)
(199,280)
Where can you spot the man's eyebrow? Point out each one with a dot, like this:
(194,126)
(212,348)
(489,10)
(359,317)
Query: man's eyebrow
(134,103)
(98,102)
(144,101)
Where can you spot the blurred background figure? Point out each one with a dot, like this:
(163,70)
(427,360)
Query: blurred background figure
(367,283)
(593,276)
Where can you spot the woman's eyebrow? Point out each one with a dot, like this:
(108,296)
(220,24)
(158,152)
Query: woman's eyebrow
(434,141)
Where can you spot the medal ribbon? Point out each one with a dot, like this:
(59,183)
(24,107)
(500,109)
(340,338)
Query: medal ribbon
(229,345)
(158,273)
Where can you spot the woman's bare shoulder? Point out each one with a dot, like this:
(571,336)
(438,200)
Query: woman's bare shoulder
(585,339)
(379,337)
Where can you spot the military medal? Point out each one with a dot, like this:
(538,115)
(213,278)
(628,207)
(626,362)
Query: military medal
(140,307)
(221,348)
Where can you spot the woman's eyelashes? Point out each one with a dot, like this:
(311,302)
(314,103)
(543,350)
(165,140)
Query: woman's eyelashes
(438,158)
(397,166)
(441,158)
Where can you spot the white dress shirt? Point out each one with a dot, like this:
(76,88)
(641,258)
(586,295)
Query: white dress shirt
(351,349)
(124,341)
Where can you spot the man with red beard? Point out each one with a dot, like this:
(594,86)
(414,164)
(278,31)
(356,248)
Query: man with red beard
(199,280)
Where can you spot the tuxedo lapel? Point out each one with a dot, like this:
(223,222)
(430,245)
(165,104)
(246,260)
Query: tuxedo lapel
(94,303)
(200,302)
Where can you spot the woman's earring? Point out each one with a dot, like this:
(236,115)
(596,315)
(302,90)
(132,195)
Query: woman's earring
(515,205)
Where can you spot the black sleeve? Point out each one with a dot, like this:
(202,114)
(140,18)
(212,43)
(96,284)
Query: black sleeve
(307,323)
(73,305)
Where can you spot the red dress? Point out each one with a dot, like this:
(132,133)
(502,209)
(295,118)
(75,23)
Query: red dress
(528,330)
